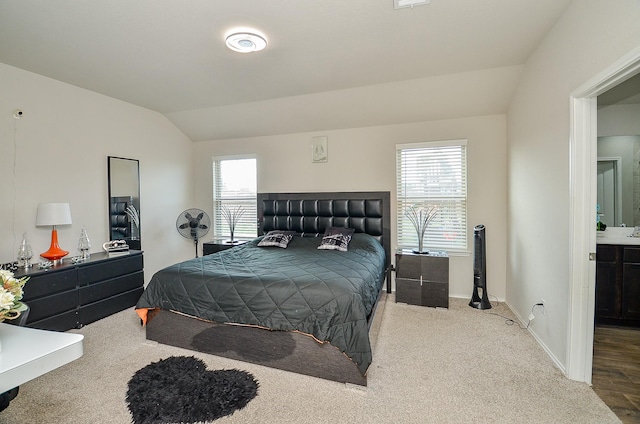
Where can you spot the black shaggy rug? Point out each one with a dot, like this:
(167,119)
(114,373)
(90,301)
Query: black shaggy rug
(180,389)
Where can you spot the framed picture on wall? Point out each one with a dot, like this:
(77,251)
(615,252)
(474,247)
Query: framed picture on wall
(319,152)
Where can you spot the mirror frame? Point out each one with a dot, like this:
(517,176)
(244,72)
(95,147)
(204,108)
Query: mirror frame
(129,232)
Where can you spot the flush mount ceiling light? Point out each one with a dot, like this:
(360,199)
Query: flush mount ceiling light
(246,42)
(401,4)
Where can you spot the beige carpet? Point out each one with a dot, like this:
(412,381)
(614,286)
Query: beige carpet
(459,365)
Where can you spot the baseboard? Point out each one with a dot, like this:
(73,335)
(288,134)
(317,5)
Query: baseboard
(523,322)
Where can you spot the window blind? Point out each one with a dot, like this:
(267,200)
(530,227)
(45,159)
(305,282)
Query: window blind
(234,186)
(433,173)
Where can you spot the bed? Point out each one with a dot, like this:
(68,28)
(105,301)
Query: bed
(298,308)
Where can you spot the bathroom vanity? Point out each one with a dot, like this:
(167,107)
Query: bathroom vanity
(618,277)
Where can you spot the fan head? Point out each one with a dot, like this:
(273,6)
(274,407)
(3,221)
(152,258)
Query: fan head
(193,224)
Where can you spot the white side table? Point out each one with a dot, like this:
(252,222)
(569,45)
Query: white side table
(28,353)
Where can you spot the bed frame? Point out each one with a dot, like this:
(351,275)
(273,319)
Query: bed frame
(366,212)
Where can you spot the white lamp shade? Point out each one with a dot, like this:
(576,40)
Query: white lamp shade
(53,214)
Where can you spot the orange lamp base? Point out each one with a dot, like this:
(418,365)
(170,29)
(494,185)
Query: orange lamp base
(54,253)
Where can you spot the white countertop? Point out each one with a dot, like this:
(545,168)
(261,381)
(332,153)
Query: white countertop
(28,353)
(617,235)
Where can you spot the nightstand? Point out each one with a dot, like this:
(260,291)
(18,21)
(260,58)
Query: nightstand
(218,245)
(422,279)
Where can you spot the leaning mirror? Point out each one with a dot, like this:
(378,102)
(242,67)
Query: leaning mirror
(124,200)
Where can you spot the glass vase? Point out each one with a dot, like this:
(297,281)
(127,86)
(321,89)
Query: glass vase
(25,253)
(420,249)
(84,245)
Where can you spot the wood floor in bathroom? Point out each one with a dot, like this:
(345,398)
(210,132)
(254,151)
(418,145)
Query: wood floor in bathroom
(616,370)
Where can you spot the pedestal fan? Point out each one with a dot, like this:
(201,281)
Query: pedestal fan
(193,224)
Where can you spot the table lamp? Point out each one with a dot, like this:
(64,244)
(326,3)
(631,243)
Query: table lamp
(53,214)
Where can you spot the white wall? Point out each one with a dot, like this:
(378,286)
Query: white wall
(363,159)
(589,36)
(57,152)
(620,119)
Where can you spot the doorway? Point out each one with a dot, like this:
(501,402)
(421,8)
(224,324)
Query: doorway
(583,192)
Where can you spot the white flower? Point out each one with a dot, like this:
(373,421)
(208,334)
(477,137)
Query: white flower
(6,299)
(5,274)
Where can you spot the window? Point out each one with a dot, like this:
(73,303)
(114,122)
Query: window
(234,186)
(433,174)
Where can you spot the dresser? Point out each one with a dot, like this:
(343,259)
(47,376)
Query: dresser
(422,279)
(72,295)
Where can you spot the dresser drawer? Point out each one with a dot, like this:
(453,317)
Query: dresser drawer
(108,288)
(435,295)
(109,269)
(54,304)
(408,266)
(105,307)
(408,291)
(48,283)
(59,322)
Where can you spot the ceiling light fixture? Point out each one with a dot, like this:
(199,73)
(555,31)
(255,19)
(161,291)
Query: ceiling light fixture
(246,42)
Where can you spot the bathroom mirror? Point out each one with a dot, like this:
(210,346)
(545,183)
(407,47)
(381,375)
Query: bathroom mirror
(618,172)
(124,200)
(617,180)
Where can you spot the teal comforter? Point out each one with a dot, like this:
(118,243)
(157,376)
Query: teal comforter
(324,293)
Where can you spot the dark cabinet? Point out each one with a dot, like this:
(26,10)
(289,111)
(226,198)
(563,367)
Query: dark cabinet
(216,246)
(631,284)
(72,295)
(608,290)
(618,285)
(422,279)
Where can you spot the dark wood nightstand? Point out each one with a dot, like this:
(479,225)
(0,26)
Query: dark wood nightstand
(218,245)
(422,279)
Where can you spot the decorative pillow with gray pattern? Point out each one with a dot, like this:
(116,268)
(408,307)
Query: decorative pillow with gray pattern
(336,238)
(277,238)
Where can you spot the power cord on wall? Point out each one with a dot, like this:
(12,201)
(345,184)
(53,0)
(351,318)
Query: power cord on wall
(16,115)
(531,315)
(512,321)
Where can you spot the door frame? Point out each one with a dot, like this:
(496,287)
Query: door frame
(583,194)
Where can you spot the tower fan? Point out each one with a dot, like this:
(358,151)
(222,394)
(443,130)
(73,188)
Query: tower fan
(479,270)
(193,224)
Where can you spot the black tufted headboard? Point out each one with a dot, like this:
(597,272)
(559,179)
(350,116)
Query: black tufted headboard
(120,225)
(311,213)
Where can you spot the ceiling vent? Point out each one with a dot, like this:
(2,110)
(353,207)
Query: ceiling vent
(401,4)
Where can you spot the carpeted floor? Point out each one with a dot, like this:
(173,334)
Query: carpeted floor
(459,365)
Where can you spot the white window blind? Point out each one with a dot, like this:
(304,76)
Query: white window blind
(433,174)
(234,186)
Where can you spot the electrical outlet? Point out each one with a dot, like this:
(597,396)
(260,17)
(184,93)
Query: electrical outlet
(544,304)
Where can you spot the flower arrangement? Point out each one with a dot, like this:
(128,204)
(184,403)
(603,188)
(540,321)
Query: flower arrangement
(11,295)
(232,216)
(420,217)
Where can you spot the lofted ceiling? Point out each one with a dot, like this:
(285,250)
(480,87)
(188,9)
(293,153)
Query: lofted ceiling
(328,64)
